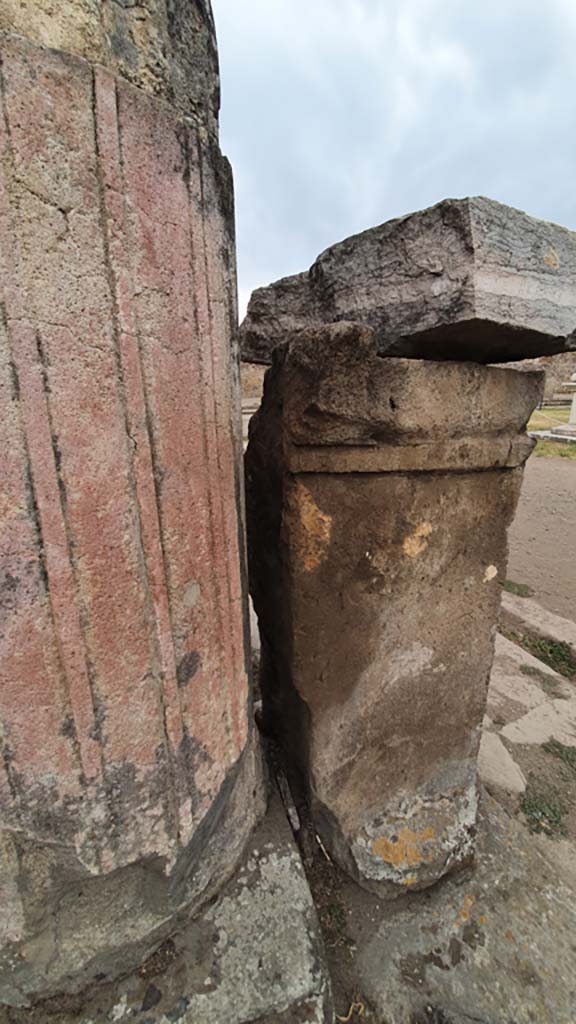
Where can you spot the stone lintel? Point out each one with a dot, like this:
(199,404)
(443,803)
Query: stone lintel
(466,279)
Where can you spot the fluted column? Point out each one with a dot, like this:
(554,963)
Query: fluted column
(130,777)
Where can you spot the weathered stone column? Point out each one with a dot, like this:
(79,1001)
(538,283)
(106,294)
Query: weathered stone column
(379,493)
(130,778)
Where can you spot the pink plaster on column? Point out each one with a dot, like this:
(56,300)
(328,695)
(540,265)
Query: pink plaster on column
(124,698)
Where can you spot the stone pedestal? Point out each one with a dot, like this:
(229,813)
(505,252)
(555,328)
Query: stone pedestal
(379,493)
(130,776)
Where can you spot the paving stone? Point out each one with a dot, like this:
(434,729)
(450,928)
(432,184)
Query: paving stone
(520,682)
(555,720)
(493,945)
(496,766)
(254,955)
(528,615)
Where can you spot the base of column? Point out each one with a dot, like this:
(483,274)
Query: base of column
(254,954)
(409,848)
(81,929)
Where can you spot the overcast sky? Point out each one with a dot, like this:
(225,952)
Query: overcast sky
(340,114)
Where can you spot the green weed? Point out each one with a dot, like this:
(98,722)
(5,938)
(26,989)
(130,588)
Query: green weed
(543,810)
(554,653)
(519,589)
(563,752)
(549,684)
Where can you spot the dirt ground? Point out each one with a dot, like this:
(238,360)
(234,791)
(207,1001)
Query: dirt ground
(543,535)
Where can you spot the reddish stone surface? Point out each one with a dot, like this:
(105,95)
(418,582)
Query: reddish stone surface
(124,692)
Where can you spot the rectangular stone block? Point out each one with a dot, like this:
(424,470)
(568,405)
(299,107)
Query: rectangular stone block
(379,493)
(467,279)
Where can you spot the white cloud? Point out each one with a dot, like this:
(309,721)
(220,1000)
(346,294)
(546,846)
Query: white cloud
(347,112)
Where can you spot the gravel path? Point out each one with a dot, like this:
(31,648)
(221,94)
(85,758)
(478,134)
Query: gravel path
(543,535)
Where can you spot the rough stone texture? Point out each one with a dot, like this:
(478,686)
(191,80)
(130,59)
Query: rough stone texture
(130,778)
(254,956)
(379,492)
(467,279)
(165,47)
(493,946)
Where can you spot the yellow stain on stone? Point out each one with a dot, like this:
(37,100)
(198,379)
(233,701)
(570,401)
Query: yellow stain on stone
(552,259)
(417,542)
(313,529)
(406,851)
(468,903)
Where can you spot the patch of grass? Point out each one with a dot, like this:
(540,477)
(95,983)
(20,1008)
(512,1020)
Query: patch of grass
(536,673)
(548,417)
(519,589)
(336,915)
(554,449)
(333,922)
(554,653)
(549,684)
(544,810)
(560,750)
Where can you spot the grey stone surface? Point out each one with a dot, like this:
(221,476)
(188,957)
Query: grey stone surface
(496,766)
(524,614)
(254,955)
(467,279)
(379,492)
(516,681)
(492,946)
(82,928)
